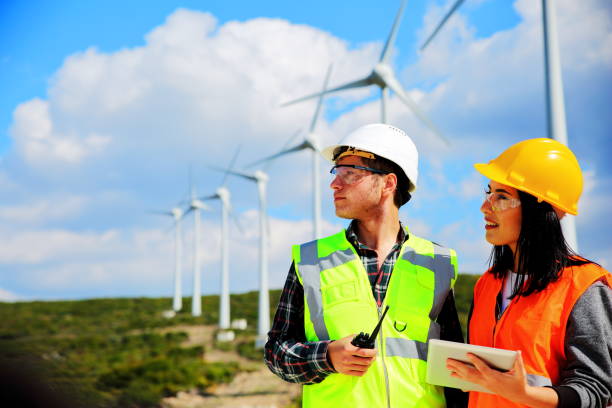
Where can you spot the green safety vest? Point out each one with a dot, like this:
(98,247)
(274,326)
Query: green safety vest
(338,302)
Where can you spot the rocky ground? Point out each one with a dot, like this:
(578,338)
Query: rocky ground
(254,387)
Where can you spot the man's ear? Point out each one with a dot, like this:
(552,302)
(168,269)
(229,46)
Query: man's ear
(390,182)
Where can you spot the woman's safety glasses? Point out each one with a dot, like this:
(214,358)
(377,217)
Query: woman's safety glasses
(351,173)
(501,201)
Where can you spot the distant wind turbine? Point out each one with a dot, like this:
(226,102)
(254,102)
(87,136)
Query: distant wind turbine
(263,323)
(555,104)
(195,205)
(383,76)
(310,142)
(222,194)
(177,215)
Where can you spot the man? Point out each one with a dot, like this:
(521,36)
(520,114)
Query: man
(338,286)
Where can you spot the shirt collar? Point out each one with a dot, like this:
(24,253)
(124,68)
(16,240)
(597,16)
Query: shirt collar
(351,235)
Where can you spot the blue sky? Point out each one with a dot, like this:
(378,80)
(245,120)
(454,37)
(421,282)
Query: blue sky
(105,106)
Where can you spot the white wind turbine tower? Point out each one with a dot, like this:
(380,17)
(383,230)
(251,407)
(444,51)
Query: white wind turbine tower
(195,205)
(263,319)
(383,76)
(310,142)
(555,104)
(177,215)
(222,194)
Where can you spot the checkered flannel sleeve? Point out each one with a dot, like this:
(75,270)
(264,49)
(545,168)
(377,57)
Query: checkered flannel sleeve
(287,353)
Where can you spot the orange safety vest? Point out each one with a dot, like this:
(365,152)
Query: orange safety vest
(534,324)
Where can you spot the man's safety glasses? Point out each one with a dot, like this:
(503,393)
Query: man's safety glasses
(501,201)
(352,173)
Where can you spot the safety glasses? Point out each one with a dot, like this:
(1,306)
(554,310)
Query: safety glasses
(352,173)
(501,201)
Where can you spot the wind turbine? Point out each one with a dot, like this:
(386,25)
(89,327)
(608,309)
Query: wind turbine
(223,195)
(177,214)
(310,142)
(195,205)
(555,104)
(263,320)
(383,76)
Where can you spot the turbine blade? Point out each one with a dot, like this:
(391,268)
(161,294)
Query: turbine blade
(210,197)
(287,144)
(191,189)
(159,212)
(384,56)
(446,17)
(168,230)
(231,166)
(316,114)
(236,220)
(301,146)
(235,173)
(355,84)
(395,86)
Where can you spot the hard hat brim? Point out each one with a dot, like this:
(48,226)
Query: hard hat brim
(328,153)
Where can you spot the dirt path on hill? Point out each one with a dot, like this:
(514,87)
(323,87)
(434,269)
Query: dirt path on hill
(255,387)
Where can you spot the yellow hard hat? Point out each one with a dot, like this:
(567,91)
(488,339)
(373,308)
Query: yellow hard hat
(541,167)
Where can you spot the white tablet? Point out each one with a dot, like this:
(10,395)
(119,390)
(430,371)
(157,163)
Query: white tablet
(440,350)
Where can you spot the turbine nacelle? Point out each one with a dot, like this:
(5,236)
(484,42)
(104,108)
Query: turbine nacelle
(176,213)
(223,194)
(311,142)
(381,74)
(260,176)
(196,204)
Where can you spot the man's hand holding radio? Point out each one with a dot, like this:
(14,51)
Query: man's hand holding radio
(348,359)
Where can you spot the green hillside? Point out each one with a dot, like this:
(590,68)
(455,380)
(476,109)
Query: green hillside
(118,352)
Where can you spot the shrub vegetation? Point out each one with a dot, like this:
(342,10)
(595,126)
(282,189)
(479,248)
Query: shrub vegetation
(112,352)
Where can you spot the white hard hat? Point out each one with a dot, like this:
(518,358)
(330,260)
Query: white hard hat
(385,141)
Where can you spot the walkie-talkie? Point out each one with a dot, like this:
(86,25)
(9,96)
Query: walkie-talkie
(365,340)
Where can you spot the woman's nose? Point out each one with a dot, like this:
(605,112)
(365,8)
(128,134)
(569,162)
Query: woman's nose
(486,207)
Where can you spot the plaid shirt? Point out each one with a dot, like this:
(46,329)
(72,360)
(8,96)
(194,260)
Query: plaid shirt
(292,358)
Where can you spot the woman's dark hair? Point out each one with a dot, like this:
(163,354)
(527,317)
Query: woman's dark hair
(542,250)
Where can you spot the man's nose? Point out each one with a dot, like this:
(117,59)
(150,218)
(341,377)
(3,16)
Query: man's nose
(335,184)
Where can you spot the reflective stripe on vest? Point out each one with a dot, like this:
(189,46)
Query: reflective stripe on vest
(538,380)
(445,273)
(310,267)
(397,347)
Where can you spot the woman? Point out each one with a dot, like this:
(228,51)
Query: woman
(538,297)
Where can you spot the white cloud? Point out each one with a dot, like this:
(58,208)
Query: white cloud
(41,246)
(57,208)
(6,296)
(39,143)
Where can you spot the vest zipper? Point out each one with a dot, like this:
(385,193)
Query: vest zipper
(380,333)
(382,359)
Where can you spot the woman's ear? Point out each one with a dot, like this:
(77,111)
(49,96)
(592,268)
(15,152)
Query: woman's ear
(560,213)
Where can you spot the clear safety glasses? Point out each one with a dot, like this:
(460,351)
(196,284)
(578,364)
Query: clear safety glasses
(501,201)
(351,173)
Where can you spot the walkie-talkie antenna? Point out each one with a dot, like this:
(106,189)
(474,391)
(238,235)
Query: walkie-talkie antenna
(365,340)
(377,328)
